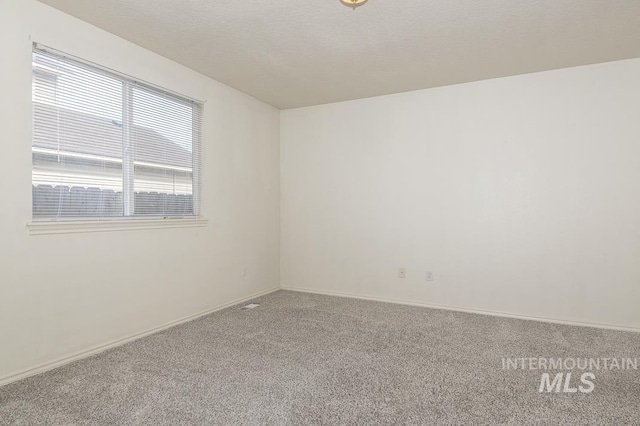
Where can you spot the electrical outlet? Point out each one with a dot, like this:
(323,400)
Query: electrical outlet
(429,276)
(243,272)
(402,273)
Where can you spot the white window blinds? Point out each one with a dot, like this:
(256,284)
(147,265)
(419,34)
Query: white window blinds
(107,146)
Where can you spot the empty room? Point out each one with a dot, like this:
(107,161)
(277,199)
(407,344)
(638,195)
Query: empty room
(320,212)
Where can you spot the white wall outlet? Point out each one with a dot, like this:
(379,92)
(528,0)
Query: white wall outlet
(402,273)
(243,272)
(429,276)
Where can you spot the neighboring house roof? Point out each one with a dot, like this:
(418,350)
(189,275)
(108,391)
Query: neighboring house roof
(67,130)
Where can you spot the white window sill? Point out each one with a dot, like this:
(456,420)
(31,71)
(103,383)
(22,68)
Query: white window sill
(110,225)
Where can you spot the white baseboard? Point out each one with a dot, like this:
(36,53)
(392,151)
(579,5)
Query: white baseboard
(459,309)
(41,368)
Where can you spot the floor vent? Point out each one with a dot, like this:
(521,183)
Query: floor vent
(250,306)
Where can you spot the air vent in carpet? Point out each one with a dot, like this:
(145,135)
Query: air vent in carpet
(250,306)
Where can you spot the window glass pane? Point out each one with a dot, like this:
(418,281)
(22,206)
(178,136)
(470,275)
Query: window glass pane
(163,140)
(105,145)
(77,140)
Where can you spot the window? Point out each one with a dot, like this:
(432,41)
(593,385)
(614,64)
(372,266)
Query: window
(107,146)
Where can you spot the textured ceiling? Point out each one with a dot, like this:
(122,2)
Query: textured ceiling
(292,53)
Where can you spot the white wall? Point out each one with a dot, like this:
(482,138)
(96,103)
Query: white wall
(61,294)
(521,194)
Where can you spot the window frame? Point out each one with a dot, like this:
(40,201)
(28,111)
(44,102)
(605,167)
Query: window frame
(128,220)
